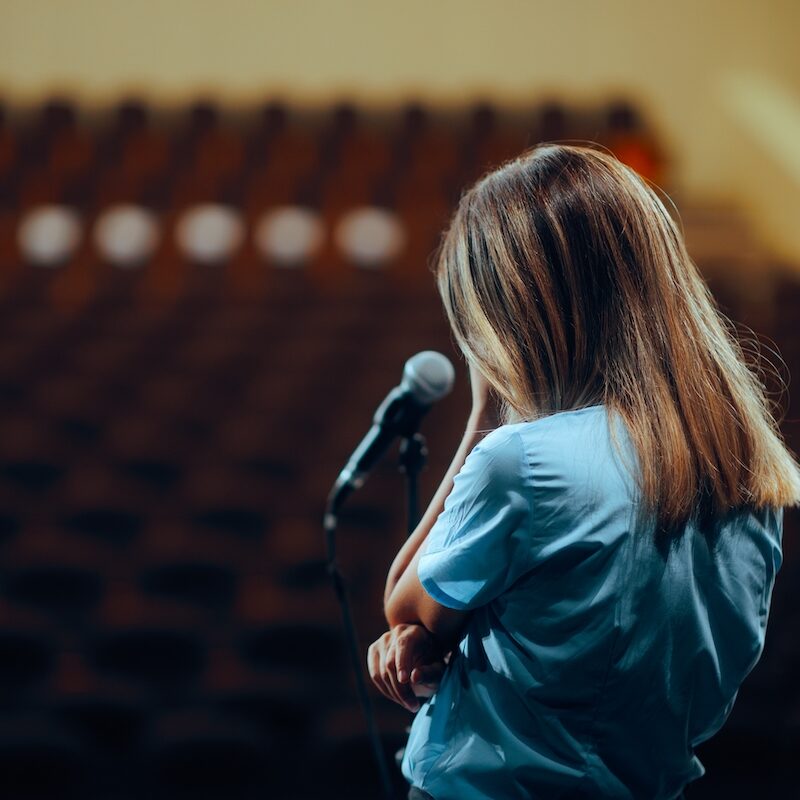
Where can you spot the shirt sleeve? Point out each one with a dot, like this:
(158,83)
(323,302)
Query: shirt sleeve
(481,544)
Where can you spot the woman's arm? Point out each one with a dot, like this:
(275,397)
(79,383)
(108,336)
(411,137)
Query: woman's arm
(410,657)
(478,423)
(483,417)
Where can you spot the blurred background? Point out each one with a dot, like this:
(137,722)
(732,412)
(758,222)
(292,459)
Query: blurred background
(216,222)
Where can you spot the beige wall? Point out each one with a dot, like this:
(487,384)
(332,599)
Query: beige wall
(721,78)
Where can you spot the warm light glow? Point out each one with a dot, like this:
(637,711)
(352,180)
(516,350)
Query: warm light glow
(769,113)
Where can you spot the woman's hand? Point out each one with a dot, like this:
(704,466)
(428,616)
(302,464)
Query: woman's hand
(403,659)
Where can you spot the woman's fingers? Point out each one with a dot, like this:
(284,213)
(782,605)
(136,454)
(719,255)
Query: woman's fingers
(378,667)
(400,667)
(415,647)
(425,681)
(381,665)
(403,691)
(428,674)
(374,666)
(405,695)
(393,690)
(407,653)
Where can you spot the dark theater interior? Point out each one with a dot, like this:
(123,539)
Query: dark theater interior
(202,303)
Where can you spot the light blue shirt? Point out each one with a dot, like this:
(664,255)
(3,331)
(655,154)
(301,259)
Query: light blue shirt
(592,663)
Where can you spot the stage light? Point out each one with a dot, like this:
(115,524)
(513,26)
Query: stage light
(126,235)
(370,236)
(210,233)
(289,236)
(48,235)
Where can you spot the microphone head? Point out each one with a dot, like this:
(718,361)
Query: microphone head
(429,376)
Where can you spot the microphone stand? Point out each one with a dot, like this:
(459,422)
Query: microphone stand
(413,456)
(427,377)
(329,523)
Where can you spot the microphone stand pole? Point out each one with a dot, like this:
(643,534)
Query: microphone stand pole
(330,522)
(413,456)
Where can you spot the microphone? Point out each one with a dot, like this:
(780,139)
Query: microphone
(427,377)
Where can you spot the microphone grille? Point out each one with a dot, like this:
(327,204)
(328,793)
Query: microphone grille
(429,376)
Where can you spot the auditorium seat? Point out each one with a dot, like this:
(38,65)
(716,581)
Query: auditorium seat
(9,526)
(62,591)
(146,153)
(309,649)
(71,153)
(160,474)
(287,719)
(199,583)
(349,767)
(8,150)
(39,761)
(112,722)
(106,523)
(305,575)
(57,115)
(194,755)
(231,520)
(220,154)
(155,657)
(27,658)
(32,475)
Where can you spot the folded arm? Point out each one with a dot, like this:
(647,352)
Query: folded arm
(408,660)
(409,603)
(405,599)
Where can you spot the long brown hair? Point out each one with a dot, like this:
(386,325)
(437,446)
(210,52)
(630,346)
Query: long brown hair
(568,284)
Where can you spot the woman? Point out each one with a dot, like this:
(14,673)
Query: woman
(591,582)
